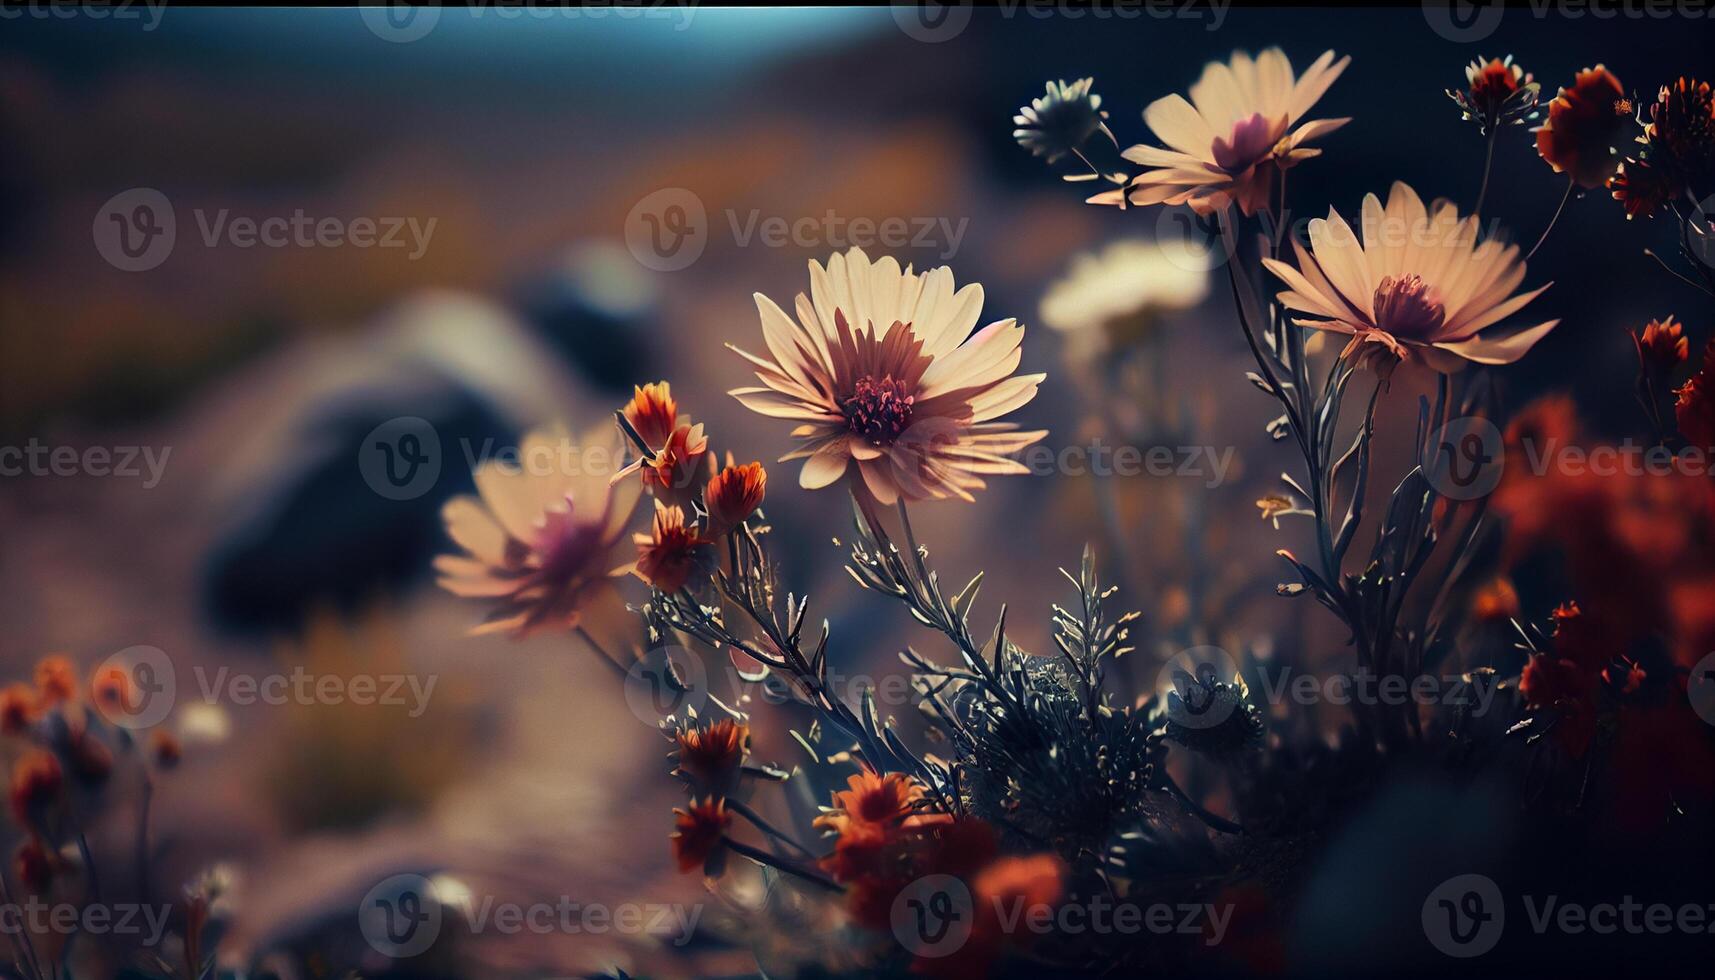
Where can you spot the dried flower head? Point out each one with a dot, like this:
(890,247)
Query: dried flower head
(711,757)
(1419,284)
(37,780)
(1231,140)
(1583,128)
(1497,93)
(17,708)
(699,840)
(56,680)
(674,552)
(734,494)
(1061,120)
(1681,133)
(885,378)
(1212,715)
(541,540)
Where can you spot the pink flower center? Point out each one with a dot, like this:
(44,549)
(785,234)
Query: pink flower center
(566,548)
(1409,308)
(1253,138)
(878,410)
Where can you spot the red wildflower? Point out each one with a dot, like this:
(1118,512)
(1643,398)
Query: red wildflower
(711,757)
(1641,188)
(700,838)
(36,783)
(33,866)
(1694,403)
(1662,345)
(1582,128)
(17,708)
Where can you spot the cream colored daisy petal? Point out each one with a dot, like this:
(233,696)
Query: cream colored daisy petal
(1341,259)
(1500,350)
(1274,82)
(1005,397)
(825,467)
(1314,83)
(780,334)
(774,404)
(472,528)
(1177,123)
(1218,98)
(1155,156)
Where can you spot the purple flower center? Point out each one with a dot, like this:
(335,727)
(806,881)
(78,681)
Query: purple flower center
(1409,308)
(878,410)
(1253,138)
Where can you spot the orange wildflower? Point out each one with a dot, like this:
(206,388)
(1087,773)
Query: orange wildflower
(734,494)
(673,552)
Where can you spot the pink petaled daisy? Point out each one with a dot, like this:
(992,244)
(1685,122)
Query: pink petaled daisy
(542,539)
(1419,284)
(1227,144)
(883,371)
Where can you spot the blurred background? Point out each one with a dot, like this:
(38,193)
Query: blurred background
(525,147)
